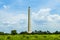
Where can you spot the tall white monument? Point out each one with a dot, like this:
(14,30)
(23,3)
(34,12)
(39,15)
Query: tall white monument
(29,21)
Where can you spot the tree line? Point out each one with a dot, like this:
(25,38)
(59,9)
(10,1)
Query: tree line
(14,32)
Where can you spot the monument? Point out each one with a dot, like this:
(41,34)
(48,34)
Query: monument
(29,21)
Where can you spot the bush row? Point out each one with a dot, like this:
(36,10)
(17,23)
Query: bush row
(14,32)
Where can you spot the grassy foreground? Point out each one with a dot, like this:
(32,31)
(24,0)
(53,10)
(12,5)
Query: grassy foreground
(30,37)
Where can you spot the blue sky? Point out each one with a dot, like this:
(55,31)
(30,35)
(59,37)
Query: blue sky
(45,15)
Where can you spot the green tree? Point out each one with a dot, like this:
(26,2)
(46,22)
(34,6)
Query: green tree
(13,32)
(1,33)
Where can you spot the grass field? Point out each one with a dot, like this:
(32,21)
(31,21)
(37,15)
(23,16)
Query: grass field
(29,37)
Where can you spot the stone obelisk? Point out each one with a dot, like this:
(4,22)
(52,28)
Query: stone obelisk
(29,21)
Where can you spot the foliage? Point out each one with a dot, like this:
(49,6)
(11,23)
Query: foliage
(1,33)
(13,32)
(30,37)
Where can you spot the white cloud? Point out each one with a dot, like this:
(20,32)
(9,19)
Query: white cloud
(41,14)
(11,21)
(19,21)
(54,18)
(11,17)
(5,6)
(44,14)
(44,20)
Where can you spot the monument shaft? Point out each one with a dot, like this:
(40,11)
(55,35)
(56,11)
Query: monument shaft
(29,25)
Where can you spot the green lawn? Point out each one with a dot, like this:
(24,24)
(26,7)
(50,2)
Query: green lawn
(29,37)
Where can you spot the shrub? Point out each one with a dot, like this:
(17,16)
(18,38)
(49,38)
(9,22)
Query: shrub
(13,32)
